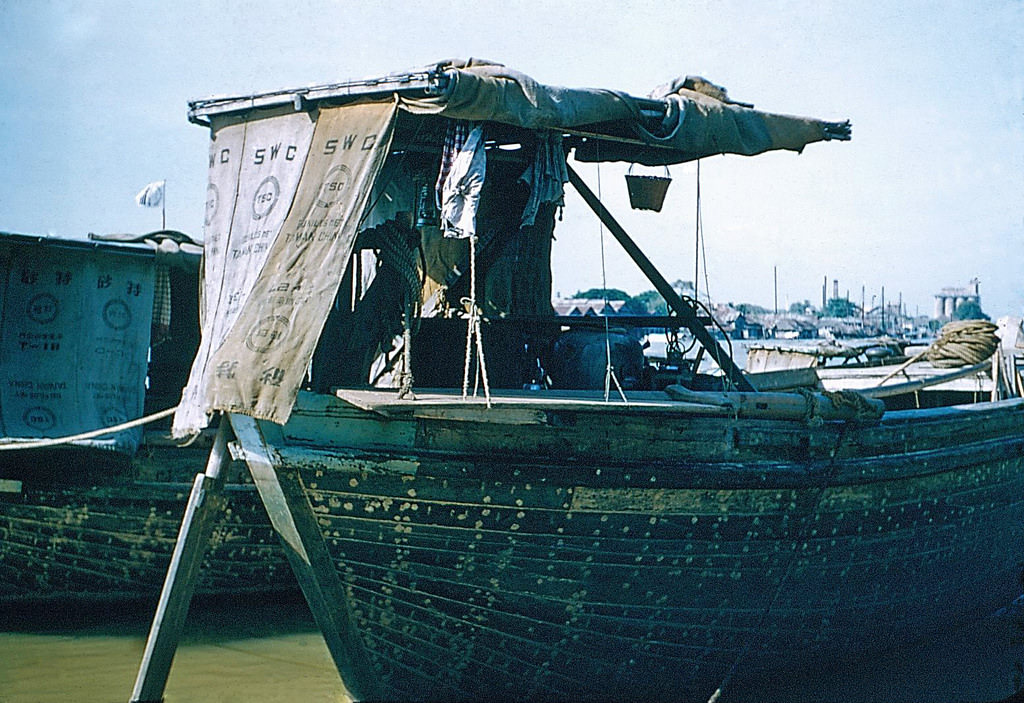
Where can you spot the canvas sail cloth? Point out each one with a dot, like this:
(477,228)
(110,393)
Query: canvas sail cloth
(700,120)
(284,199)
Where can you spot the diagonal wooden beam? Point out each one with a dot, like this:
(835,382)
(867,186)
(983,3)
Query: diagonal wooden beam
(686,311)
(290,513)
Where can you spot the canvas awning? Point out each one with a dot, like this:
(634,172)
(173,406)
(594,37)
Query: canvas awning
(688,119)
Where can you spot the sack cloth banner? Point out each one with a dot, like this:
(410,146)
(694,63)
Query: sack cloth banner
(254,171)
(75,340)
(267,297)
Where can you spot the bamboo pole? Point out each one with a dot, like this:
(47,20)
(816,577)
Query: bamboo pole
(914,386)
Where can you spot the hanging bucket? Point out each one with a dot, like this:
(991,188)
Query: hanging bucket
(647,192)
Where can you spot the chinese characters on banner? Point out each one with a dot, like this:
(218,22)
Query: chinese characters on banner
(275,254)
(76,337)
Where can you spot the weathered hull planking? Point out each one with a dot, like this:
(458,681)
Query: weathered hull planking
(591,550)
(111,538)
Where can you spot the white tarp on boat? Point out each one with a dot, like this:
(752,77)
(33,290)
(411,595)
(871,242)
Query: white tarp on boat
(74,342)
(276,252)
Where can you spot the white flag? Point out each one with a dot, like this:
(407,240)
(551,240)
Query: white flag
(152,195)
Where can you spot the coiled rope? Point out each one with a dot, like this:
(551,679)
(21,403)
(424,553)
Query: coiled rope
(963,343)
(960,343)
(397,252)
(92,434)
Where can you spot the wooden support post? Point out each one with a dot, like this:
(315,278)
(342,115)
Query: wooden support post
(1018,381)
(205,503)
(1010,374)
(686,312)
(293,519)
(995,376)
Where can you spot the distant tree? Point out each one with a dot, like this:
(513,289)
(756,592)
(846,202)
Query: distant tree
(840,307)
(651,302)
(800,308)
(684,287)
(602,294)
(969,310)
(751,309)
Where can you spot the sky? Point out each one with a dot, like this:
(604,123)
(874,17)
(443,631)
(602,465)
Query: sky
(928,194)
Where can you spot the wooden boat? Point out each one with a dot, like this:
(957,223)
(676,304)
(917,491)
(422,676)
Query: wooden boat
(565,550)
(541,538)
(85,348)
(971,360)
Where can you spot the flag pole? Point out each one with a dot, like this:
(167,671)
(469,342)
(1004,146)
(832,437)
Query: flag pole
(163,208)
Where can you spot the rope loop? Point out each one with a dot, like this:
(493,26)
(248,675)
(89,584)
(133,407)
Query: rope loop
(863,409)
(812,411)
(473,333)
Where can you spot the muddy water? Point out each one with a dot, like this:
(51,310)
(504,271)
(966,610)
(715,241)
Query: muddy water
(230,652)
(267,652)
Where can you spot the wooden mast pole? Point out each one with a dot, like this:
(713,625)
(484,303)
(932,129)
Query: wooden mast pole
(687,313)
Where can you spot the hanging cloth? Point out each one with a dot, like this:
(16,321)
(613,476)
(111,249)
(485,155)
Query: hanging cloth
(161,325)
(546,176)
(461,178)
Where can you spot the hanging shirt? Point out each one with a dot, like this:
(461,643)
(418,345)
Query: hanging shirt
(461,178)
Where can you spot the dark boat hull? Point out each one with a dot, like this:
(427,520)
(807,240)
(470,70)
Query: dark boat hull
(109,536)
(568,551)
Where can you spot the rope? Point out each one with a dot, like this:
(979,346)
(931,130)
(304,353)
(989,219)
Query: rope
(473,333)
(963,343)
(812,414)
(699,254)
(863,409)
(801,539)
(726,381)
(960,343)
(406,381)
(56,441)
(609,370)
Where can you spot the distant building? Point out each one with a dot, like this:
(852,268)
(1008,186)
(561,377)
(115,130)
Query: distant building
(840,327)
(791,327)
(590,307)
(737,324)
(949,299)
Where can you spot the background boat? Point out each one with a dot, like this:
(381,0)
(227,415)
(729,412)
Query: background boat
(97,333)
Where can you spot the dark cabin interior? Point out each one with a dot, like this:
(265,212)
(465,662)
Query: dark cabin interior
(525,344)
